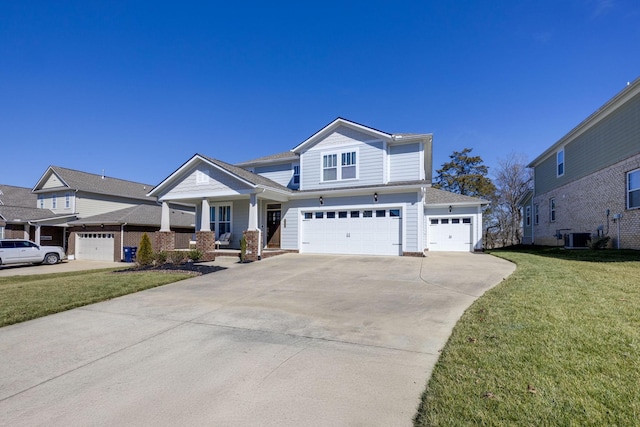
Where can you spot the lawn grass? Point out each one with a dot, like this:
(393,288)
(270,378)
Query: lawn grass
(556,344)
(28,297)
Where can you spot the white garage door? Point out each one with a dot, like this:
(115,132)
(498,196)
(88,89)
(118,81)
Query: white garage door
(95,246)
(450,234)
(357,231)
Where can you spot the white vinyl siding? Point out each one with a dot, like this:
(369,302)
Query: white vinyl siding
(369,159)
(405,162)
(92,204)
(53,182)
(282,173)
(219,183)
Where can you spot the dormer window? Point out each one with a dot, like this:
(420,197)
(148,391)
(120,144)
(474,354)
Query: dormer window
(347,169)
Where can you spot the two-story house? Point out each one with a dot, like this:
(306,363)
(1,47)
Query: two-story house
(347,189)
(588,182)
(96,216)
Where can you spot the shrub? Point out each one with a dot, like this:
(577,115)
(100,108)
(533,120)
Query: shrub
(599,242)
(160,257)
(243,248)
(145,252)
(194,254)
(176,257)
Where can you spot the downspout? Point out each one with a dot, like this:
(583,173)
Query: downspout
(122,240)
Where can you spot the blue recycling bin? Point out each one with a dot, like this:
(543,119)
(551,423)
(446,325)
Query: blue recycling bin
(130,253)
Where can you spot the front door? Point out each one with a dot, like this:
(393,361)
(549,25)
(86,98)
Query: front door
(273,228)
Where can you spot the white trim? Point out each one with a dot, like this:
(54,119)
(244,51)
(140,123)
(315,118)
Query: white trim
(319,135)
(339,166)
(562,153)
(628,190)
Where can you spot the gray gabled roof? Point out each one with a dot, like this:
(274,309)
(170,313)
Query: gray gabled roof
(244,174)
(93,183)
(17,196)
(21,214)
(274,158)
(140,215)
(435,196)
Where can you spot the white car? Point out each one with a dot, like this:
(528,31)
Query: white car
(17,251)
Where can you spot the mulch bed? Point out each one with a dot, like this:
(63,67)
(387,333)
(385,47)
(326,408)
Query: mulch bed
(187,267)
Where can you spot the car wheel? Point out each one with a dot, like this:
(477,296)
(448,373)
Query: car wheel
(51,259)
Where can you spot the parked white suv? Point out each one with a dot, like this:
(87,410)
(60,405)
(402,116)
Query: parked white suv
(17,251)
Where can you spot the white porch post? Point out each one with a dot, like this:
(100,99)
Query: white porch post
(165,223)
(253,212)
(205,217)
(37,237)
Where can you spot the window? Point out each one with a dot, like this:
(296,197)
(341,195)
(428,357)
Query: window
(331,215)
(202,176)
(394,212)
(40,201)
(308,215)
(466,220)
(552,210)
(560,162)
(434,222)
(342,214)
(536,214)
(220,217)
(67,200)
(455,221)
(329,167)
(355,214)
(349,165)
(347,169)
(444,221)
(54,201)
(367,214)
(381,213)
(319,215)
(633,189)
(527,216)
(296,174)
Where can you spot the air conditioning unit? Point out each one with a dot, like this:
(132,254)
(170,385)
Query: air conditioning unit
(577,240)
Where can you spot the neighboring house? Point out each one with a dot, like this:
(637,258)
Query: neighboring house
(347,189)
(588,183)
(92,216)
(21,219)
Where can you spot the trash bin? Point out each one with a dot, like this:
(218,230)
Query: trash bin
(128,256)
(134,251)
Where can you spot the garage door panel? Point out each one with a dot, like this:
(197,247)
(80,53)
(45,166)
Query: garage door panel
(450,234)
(95,246)
(354,233)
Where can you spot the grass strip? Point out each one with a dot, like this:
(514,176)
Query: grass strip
(28,297)
(557,343)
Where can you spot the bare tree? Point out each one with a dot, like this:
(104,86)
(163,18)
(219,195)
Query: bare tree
(512,179)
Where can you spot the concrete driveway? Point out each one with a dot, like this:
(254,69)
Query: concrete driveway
(295,340)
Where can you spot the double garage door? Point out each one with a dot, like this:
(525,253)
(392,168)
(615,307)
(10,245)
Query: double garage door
(450,234)
(95,246)
(362,231)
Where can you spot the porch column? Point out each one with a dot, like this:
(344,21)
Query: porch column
(253,212)
(205,217)
(165,223)
(37,236)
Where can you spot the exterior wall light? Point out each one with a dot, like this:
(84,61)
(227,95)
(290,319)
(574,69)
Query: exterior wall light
(321,201)
(375,197)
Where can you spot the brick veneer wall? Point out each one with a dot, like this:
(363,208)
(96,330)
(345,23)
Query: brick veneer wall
(206,243)
(164,241)
(581,207)
(253,241)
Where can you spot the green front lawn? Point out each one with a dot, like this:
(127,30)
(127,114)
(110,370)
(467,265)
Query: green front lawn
(28,297)
(557,343)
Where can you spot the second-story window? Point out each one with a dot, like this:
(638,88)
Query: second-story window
(329,167)
(527,216)
(54,201)
(560,162)
(67,200)
(40,201)
(339,166)
(296,174)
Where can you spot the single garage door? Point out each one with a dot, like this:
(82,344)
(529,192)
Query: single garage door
(356,231)
(450,234)
(95,246)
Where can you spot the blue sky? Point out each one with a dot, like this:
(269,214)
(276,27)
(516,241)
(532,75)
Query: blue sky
(136,88)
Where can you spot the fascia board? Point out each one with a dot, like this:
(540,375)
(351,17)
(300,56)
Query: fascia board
(334,125)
